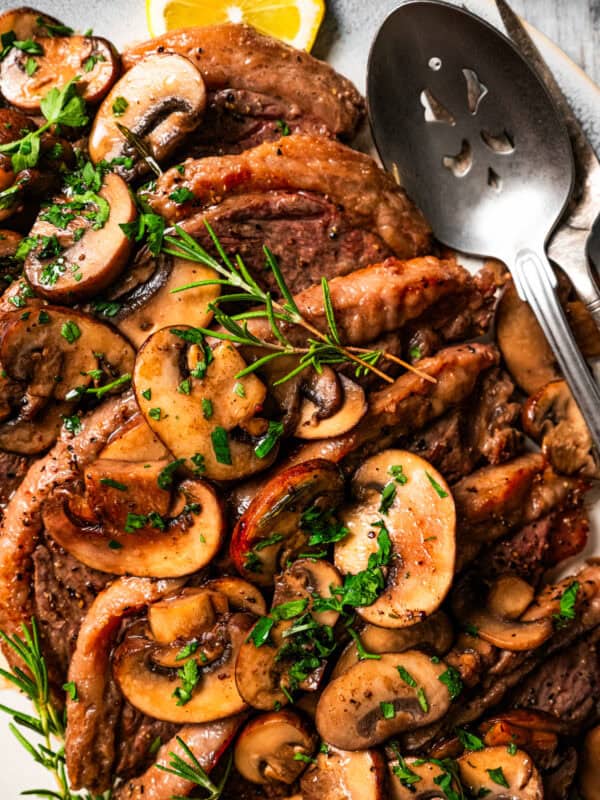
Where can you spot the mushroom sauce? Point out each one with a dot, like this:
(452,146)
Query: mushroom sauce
(270,525)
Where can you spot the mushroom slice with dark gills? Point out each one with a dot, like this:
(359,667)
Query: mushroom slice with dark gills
(161,100)
(497,617)
(27,23)
(344,775)
(52,358)
(78,246)
(274,747)
(147,301)
(178,665)
(552,418)
(434,635)
(126,524)
(287,650)
(497,772)
(282,519)
(411,500)
(376,699)
(92,61)
(196,402)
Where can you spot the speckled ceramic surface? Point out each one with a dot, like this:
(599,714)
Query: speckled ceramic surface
(345,41)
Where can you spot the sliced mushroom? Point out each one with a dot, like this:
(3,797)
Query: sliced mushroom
(553,419)
(91,58)
(434,634)
(263,671)
(9,242)
(423,781)
(27,23)
(181,542)
(342,775)
(495,772)
(274,748)
(589,784)
(161,100)
(271,530)
(53,356)
(242,596)
(147,671)
(420,518)
(372,700)
(311,425)
(135,441)
(145,294)
(211,417)
(187,615)
(534,731)
(307,578)
(524,347)
(87,262)
(508,631)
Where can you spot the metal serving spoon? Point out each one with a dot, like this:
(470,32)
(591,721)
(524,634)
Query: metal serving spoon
(459,114)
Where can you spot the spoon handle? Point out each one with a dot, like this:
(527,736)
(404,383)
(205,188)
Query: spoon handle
(536,283)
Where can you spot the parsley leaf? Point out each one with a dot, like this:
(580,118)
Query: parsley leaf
(189,676)
(497,775)
(120,106)
(439,490)
(469,740)
(452,681)
(269,440)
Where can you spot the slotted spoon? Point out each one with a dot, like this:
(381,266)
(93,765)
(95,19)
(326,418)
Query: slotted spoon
(458,113)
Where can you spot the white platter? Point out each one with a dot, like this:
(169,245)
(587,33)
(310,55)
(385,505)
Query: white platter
(344,40)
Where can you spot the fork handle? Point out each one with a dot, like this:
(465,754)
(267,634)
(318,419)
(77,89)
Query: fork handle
(536,283)
(593,308)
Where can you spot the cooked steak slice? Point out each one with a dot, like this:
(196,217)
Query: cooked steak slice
(13,469)
(22,523)
(482,430)
(307,232)
(379,299)
(559,780)
(538,546)
(567,686)
(64,590)
(255,77)
(138,738)
(370,199)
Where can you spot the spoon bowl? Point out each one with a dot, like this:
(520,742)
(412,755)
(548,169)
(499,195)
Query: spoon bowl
(473,135)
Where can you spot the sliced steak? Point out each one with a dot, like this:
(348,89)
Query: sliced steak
(138,738)
(559,780)
(254,80)
(13,469)
(567,686)
(64,590)
(368,198)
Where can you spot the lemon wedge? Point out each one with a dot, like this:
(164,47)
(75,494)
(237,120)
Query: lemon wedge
(296,22)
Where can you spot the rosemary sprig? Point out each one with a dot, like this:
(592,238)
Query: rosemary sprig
(138,144)
(47,722)
(320,349)
(191,770)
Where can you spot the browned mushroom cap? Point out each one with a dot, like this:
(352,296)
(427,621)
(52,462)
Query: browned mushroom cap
(187,615)
(307,578)
(150,672)
(342,775)
(267,748)
(376,699)
(161,100)
(312,424)
(534,731)
(418,512)
(53,355)
(148,303)
(271,529)
(420,779)
(498,773)
(552,418)
(86,263)
(27,23)
(498,619)
(126,534)
(63,58)
(263,669)
(527,353)
(242,596)
(203,411)
(434,634)
(589,785)
(9,242)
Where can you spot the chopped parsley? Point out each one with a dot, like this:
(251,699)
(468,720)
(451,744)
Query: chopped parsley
(322,526)
(415,353)
(269,440)
(72,424)
(387,710)
(122,487)
(189,675)
(407,677)
(440,491)
(70,331)
(468,740)
(148,227)
(207,408)
(155,413)
(90,63)
(397,473)
(147,394)
(388,495)
(166,476)
(71,689)
(567,604)
(452,681)
(187,651)
(497,775)
(220,443)
(181,195)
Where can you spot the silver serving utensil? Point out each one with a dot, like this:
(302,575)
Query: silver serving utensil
(459,114)
(568,243)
